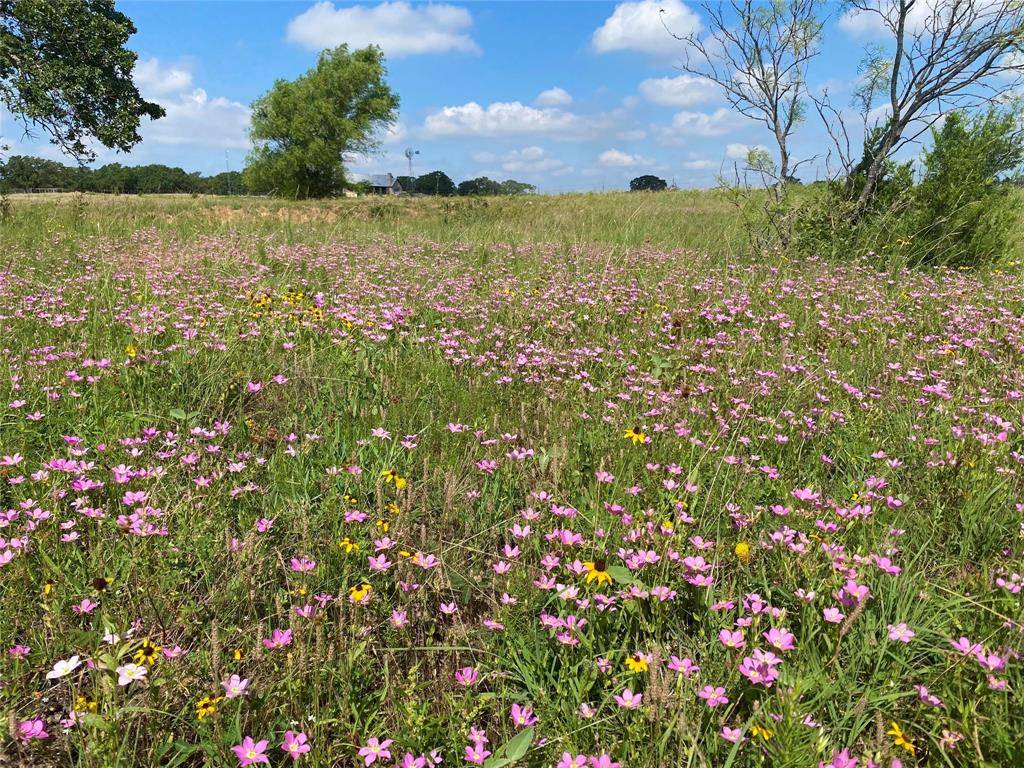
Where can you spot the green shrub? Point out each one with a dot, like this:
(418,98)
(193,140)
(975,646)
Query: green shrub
(960,212)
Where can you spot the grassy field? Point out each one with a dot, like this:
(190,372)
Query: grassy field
(699,220)
(567,482)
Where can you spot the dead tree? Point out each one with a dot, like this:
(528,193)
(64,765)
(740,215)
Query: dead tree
(942,56)
(757,53)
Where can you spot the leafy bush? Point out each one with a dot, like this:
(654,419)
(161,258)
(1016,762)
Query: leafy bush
(824,222)
(959,212)
(962,209)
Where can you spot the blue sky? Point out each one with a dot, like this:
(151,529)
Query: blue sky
(566,95)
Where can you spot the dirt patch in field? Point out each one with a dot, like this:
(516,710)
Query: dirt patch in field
(304,215)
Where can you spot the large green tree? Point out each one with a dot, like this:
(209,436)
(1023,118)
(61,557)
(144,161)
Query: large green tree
(64,69)
(435,183)
(480,186)
(513,187)
(647,183)
(303,128)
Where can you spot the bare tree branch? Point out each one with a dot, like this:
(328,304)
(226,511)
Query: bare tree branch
(944,52)
(757,54)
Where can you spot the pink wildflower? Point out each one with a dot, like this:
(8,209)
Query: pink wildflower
(250,752)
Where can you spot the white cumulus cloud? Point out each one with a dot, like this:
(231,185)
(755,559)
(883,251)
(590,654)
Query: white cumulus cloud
(399,28)
(614,158)
(717,123)
(193,116)
(646,26)
(680,91)
(532,160)
(554,97)
(196,118)
(740,151)
(394,133)
(699,165)
(497,119)
(154,79)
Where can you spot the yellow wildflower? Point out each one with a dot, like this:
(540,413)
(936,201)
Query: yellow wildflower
(348,545)
(742,551)
(635,435)
(390,476)
(597,571)
(900,740)
(207,706)
(360,593)
(636,663)
(83,704)
(147,653)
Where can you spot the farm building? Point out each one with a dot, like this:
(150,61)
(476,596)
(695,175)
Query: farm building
(384,184)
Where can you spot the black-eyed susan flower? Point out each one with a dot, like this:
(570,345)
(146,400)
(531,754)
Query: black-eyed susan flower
(635,435)
(147,654)
(597,571)
(900,739)
(360,593)
(207,706)
(637,663)
(392,477)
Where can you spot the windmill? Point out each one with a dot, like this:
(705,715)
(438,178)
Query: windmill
(408,156)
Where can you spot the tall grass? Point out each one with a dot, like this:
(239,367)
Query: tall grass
(694,220)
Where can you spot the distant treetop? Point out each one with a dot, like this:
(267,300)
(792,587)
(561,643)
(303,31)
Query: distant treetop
(647,183)
(435,183)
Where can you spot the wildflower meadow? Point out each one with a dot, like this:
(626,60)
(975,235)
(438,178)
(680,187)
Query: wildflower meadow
(429,498)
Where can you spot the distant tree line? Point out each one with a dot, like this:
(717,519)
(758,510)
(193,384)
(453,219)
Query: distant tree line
(439,183)
(22,172)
